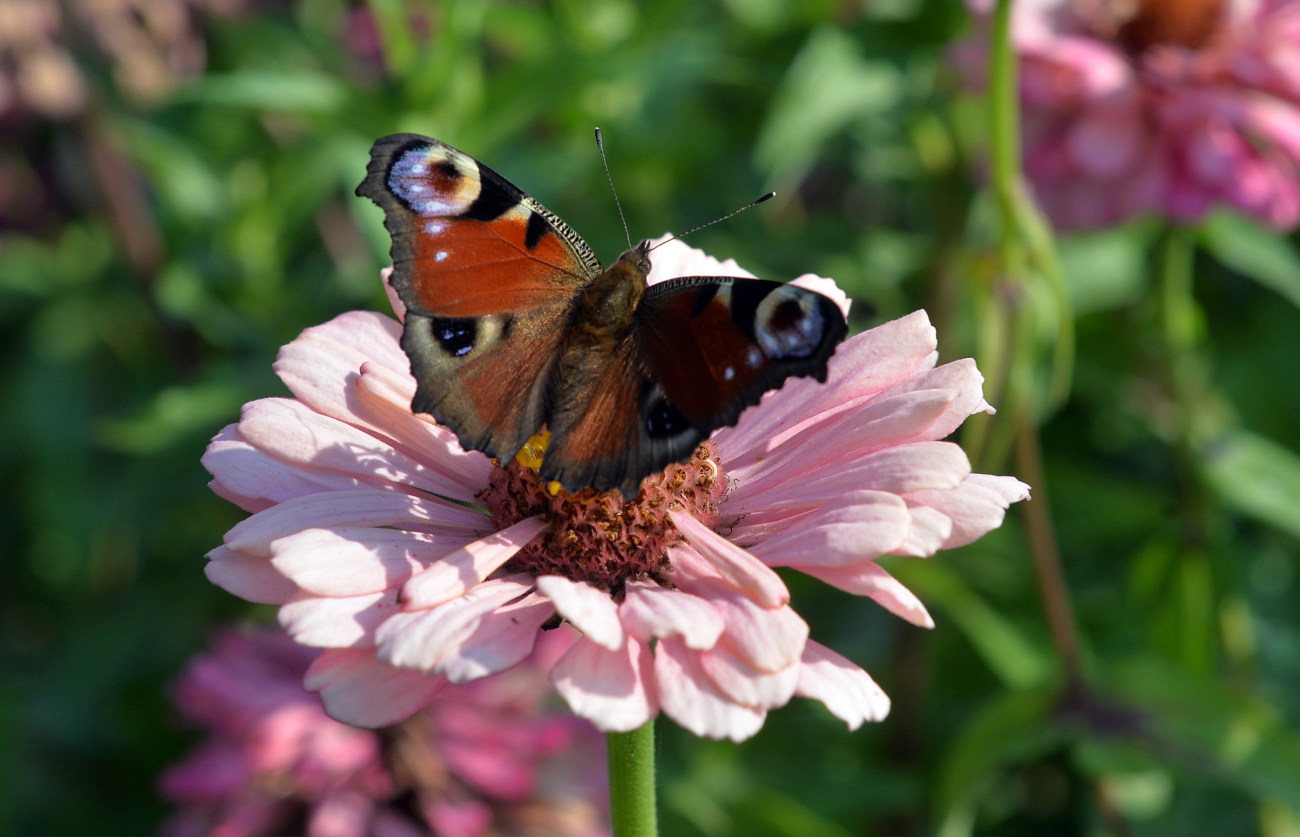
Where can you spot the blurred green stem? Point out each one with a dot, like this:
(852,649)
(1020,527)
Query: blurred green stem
(1026,242)
(632,782)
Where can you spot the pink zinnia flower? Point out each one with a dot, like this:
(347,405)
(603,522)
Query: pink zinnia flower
(471,761)
(1162,107)
(415,564)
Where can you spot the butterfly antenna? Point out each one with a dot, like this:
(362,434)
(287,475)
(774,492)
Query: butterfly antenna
(749,205)
(600,146)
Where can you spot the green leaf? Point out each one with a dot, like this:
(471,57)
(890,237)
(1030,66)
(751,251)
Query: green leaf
(1198,725)
(1013,728)
(1254,252)
(1257,477)
(1014,658)
(828,87)
(286,92)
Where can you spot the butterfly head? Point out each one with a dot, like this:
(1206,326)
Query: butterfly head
(638,258)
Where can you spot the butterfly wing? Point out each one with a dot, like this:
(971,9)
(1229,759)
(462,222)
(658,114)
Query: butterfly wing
(702,350)
(487,275)
(715,345)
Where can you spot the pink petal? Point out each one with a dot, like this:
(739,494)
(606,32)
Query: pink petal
(1105,143)
(929,531)
(745,572)
(867,578)
(690,697)
(589,610)
(976,507)
(340,813)
(254,480)
(860,524)
(358,689)
(457,572)
(425,638)
(745,683)
(861,366)
(649,611)
(365,334)
(847,691)
(890,421)
(917,467)
(354,561)
(501,639)
(328,622)
(248,577)
(768,638)
(612,689)
(387,396)
(330,509)
(294,433)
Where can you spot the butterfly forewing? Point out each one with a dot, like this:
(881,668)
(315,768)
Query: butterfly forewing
(466,241)
(486,274)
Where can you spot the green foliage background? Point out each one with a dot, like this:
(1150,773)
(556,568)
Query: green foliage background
(155,253)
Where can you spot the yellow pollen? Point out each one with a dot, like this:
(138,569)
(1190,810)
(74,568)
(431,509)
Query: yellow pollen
(530,455)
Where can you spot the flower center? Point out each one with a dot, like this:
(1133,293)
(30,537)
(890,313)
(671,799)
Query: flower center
(600,537)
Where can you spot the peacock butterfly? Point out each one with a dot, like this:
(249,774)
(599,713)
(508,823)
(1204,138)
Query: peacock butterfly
(512,325)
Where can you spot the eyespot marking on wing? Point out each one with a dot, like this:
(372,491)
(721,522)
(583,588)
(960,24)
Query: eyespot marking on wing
(662,419)
(455,335)
(789,323)
(459,337)
(431,183)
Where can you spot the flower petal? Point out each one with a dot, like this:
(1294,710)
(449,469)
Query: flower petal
(860,524)
(337,622)
(589,610)
(862,366)
(424,638)
(847,691)
(740,568)
(867,578)
(457,572)
(976,507)
(929,531)
(615,690)
(248,577)
(745,683)
(770,639)
(254,480)
(649,611)
(315,443)
(358,689)
(502,639)
(351,561)
(689,696)
(367,507)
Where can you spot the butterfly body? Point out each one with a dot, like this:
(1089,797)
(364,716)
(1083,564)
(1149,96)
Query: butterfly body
(512,326)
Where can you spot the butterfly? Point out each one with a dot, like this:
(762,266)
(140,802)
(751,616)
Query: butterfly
(513,326)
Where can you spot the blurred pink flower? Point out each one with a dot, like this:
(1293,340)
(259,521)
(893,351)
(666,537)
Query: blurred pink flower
(415,564)
(471,762)
(1168,107)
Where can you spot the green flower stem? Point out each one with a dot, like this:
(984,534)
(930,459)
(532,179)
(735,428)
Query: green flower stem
(1026,237)
(1026,244)
(632,782)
